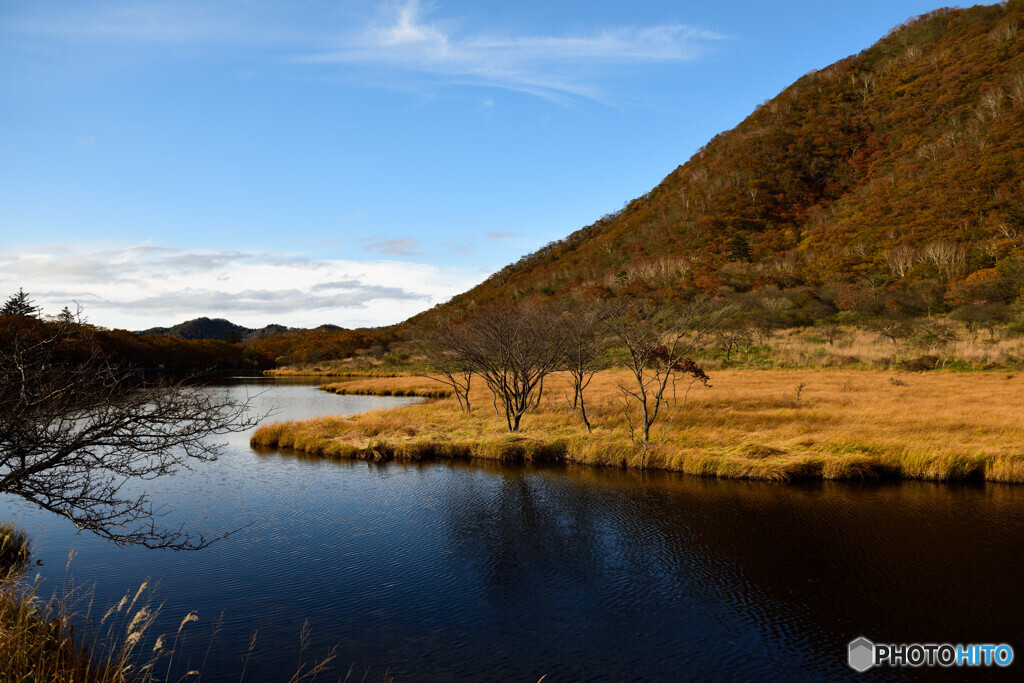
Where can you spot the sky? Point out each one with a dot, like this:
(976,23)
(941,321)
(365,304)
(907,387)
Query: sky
(303,162)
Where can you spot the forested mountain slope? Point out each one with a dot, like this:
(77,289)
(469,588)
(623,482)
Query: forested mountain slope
(891,181)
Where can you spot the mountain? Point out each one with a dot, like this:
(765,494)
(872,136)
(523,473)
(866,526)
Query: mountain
(216,328)
(890,181)
(261,348)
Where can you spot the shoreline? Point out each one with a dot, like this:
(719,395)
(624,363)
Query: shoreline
(804,467)
(752,425)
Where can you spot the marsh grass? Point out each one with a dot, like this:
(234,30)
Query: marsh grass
(845,425)
(858,348)
(14,549)
(39,641)
(936,344)
(399,385)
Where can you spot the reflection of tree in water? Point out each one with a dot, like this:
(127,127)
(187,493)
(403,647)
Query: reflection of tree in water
(580,565)
(525,522)
(680,560)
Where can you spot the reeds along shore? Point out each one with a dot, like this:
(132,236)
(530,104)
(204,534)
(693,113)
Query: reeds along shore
(774,425)
(39,643)
(61,639)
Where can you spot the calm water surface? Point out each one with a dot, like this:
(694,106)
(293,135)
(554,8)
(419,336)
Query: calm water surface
(452,571)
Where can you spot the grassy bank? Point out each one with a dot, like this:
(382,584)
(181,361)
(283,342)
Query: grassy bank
(775,425)
(336,370)
(412,385)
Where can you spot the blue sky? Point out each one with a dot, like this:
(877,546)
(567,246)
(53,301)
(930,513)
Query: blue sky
(304,162)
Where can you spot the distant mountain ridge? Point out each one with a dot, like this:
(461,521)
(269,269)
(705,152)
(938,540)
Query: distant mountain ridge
(219,329)
(892,180)
(204,328)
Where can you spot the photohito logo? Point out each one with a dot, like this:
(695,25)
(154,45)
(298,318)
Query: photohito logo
(862,654)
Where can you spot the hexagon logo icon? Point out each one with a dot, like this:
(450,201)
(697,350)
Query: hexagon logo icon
(861,655)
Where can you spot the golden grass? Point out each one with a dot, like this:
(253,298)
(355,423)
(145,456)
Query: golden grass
(805,348)
(410,385)
(750,424)
(14,550)
(36,639)
(794,348)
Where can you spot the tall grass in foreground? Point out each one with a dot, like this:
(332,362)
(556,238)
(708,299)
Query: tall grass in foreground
(774,425)
(39,643)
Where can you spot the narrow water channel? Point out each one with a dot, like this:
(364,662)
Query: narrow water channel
(458,571)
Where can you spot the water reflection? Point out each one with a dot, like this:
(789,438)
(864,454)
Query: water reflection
(455,571)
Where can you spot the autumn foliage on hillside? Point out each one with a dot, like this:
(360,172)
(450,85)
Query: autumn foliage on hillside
(168,354)
(160,353)
(299,347)
(889,183)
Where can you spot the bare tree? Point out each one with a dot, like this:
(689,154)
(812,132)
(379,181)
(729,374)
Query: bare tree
(583,347)
(948,258)
(512,348)
(444,359)
(733,339)
(76,429)
(658,345)
(897,329)
(900,259)
(830,332)
(977,317)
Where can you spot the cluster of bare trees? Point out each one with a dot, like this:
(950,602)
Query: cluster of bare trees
(948,259)
(513,348)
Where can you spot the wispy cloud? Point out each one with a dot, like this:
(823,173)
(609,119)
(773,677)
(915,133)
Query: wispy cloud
(406,41)
(548,66)
(503,235)
(408,246)
(144,286)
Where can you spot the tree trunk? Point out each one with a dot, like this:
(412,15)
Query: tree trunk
(647,427)
(583,414)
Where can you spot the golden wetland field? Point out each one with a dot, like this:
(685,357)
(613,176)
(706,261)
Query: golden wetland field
(759,424)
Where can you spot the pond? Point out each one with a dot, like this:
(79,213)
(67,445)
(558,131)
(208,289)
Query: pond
(467,571)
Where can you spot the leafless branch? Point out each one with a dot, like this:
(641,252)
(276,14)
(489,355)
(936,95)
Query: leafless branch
(77,427)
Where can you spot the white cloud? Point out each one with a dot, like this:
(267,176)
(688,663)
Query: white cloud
(143,286)
(549,66)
